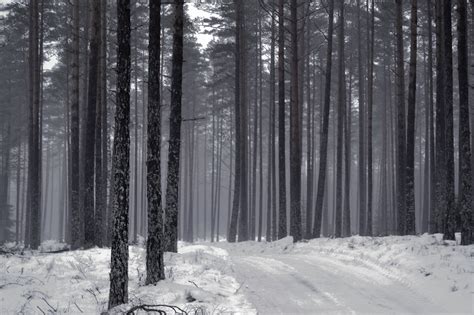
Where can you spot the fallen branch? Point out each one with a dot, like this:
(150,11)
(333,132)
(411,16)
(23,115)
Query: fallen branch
(194,284)
(153,308)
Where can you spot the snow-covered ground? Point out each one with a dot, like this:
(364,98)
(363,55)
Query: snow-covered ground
(360,275)
(363,275)
(199,280)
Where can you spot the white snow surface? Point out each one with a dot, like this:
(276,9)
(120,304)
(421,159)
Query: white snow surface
(77,282)
(361,275)
(355,275)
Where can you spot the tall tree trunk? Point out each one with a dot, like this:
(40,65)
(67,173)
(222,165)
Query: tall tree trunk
(346,217)
(325,127)
(271,196)
(89,226)
(361,101)
(121,161)
(370,101)
(154,246)
(172,188)
(451,210)
(401,133)
(431,217)
(76,218)
(295,132)
(341,108)
(281,122)
(465,189)
(243,216)
(34,165)
(410,135)
(99,191)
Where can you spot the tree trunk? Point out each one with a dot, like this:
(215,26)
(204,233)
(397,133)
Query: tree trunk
(370,101)
(465,189)
(401,133)
(89,226)
(76,217)
(325,128)
(34,165)
(410,140)
(121,161)
(341,112)
(451,210)
(172,188)
(154,245)
(281,122)
(361,101)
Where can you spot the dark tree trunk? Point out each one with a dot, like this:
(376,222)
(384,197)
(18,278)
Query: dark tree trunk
(361,101)
(431,217)
(271,195)
(34,164)
(281,123)
(295,132)
(172,188)
(401,133)
(410,140)
(76,218)
(451,210)
(341,112)
(465,189)
(370,101)
(121,161)
(325,128)
(89,226)
(154,245)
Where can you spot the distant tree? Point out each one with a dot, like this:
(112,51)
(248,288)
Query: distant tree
(119,258)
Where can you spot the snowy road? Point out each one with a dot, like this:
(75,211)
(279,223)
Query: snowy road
(312,284)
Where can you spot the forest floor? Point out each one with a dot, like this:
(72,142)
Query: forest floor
(417,274)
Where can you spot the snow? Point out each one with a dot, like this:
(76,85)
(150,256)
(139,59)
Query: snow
(78,281)
(394,274)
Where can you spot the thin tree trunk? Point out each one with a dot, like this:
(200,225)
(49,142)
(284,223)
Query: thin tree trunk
(281,123)
(401,133)
(410,140)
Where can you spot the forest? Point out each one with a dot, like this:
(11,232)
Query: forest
(150,127)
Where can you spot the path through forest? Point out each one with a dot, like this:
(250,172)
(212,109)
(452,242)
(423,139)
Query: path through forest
(287,284)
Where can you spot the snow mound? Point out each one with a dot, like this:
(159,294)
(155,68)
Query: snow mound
(197,279)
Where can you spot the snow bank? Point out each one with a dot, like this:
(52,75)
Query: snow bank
(198,278)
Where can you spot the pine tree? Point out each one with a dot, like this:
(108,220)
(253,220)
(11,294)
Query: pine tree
(325,127)
(121,160)
(154,246)
(172,188)
(465,189)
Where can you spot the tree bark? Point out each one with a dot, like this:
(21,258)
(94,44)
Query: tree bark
(465,189)
(325,128)
(172,188)
(154,245)
(121,160)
